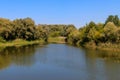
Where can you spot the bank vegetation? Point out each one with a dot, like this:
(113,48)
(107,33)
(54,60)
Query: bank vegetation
(105,36)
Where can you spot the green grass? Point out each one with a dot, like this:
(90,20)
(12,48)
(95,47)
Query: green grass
(60,40)
(20,42)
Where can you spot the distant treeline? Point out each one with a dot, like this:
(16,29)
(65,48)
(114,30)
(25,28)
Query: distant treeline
(27,29)
(92,33)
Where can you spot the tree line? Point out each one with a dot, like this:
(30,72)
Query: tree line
(27,29)
(107,32)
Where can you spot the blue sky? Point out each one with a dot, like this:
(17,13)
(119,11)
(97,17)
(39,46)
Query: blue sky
(77,12)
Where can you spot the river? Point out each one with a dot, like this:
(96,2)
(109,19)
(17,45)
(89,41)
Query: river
(58,62)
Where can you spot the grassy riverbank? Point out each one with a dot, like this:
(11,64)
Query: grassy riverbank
(59,40)
(20,42)
(90,45)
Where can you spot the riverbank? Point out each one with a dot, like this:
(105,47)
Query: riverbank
(61,40)
(103,46)
(58,40)
(91,45)
(20,42)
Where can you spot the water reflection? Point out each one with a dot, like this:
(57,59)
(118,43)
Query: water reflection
(61,56)
(105,55)
(52,54)
(102,65)
(58,62)
(19,56)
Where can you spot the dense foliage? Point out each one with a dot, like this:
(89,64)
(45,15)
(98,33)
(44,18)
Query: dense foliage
(57,30)
(27,30)
(19,28)
(93,33)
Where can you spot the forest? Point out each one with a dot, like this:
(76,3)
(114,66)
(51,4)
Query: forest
(95,35)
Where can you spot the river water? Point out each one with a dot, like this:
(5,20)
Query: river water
(58,62)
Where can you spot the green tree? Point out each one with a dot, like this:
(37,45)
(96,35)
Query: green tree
(109,19)
(116,20)
(109,31)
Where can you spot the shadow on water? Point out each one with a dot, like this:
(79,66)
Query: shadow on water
(19,56)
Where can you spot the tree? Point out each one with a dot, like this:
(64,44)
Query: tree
(69,29)
(109,31)
(109,19)
(24,28)
(116,20)
(74,37)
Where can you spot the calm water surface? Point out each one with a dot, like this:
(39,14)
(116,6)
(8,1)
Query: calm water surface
(58,62)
